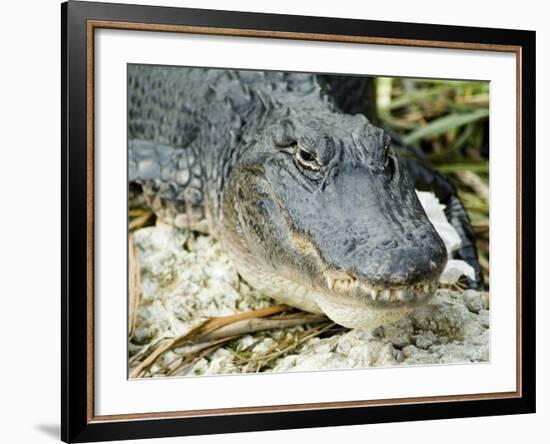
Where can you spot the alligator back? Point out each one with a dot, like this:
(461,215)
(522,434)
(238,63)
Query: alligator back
(184,129)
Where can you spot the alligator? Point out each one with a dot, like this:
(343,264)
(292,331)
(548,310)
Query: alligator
(310,200)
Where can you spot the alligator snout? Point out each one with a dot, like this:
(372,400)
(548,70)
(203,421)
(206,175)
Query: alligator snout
(407,266)
(386,274)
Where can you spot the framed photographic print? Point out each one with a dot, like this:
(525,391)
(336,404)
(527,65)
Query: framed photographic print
(275,221)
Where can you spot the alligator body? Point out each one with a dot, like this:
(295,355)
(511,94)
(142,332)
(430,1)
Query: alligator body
(312,204)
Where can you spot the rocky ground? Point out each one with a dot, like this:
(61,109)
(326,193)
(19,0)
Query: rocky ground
(186,278)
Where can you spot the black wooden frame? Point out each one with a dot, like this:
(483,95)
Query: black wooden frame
(76,424)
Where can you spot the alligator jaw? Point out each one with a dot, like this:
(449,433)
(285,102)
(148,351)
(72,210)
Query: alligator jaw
(345,300)
(343,284)
(353,313)
(358,304)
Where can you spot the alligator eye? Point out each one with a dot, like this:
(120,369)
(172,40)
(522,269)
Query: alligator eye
(306,159)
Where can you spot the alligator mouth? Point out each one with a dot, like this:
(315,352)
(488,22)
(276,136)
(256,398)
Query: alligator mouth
(383,295)
(356,303)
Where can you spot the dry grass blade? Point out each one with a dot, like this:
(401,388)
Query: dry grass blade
(134,286)
(212,324)
(280,349)
(220,337)
(255,325)
(138,211)
(484,264)
(476,183)
(200,331)
(140,220)
(149,348)
(200,351)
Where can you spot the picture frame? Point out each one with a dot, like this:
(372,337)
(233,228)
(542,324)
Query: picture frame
(80,22)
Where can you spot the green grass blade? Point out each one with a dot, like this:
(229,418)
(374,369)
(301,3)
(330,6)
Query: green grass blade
(476,167)
(440,126)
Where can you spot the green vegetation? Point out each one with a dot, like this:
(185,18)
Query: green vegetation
(449,121)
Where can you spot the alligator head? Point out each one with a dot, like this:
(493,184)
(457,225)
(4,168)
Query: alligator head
(320,214)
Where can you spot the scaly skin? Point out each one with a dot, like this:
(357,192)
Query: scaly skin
(356,94)
(312,205)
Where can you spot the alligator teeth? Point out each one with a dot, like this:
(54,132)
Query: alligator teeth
(407,296)
(422,291)
(340,280)
(385,295)
(396,295)
(343,284)
(403,294)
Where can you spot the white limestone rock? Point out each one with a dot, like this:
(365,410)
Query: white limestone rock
(186,278)
(455,268)
(444,331)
